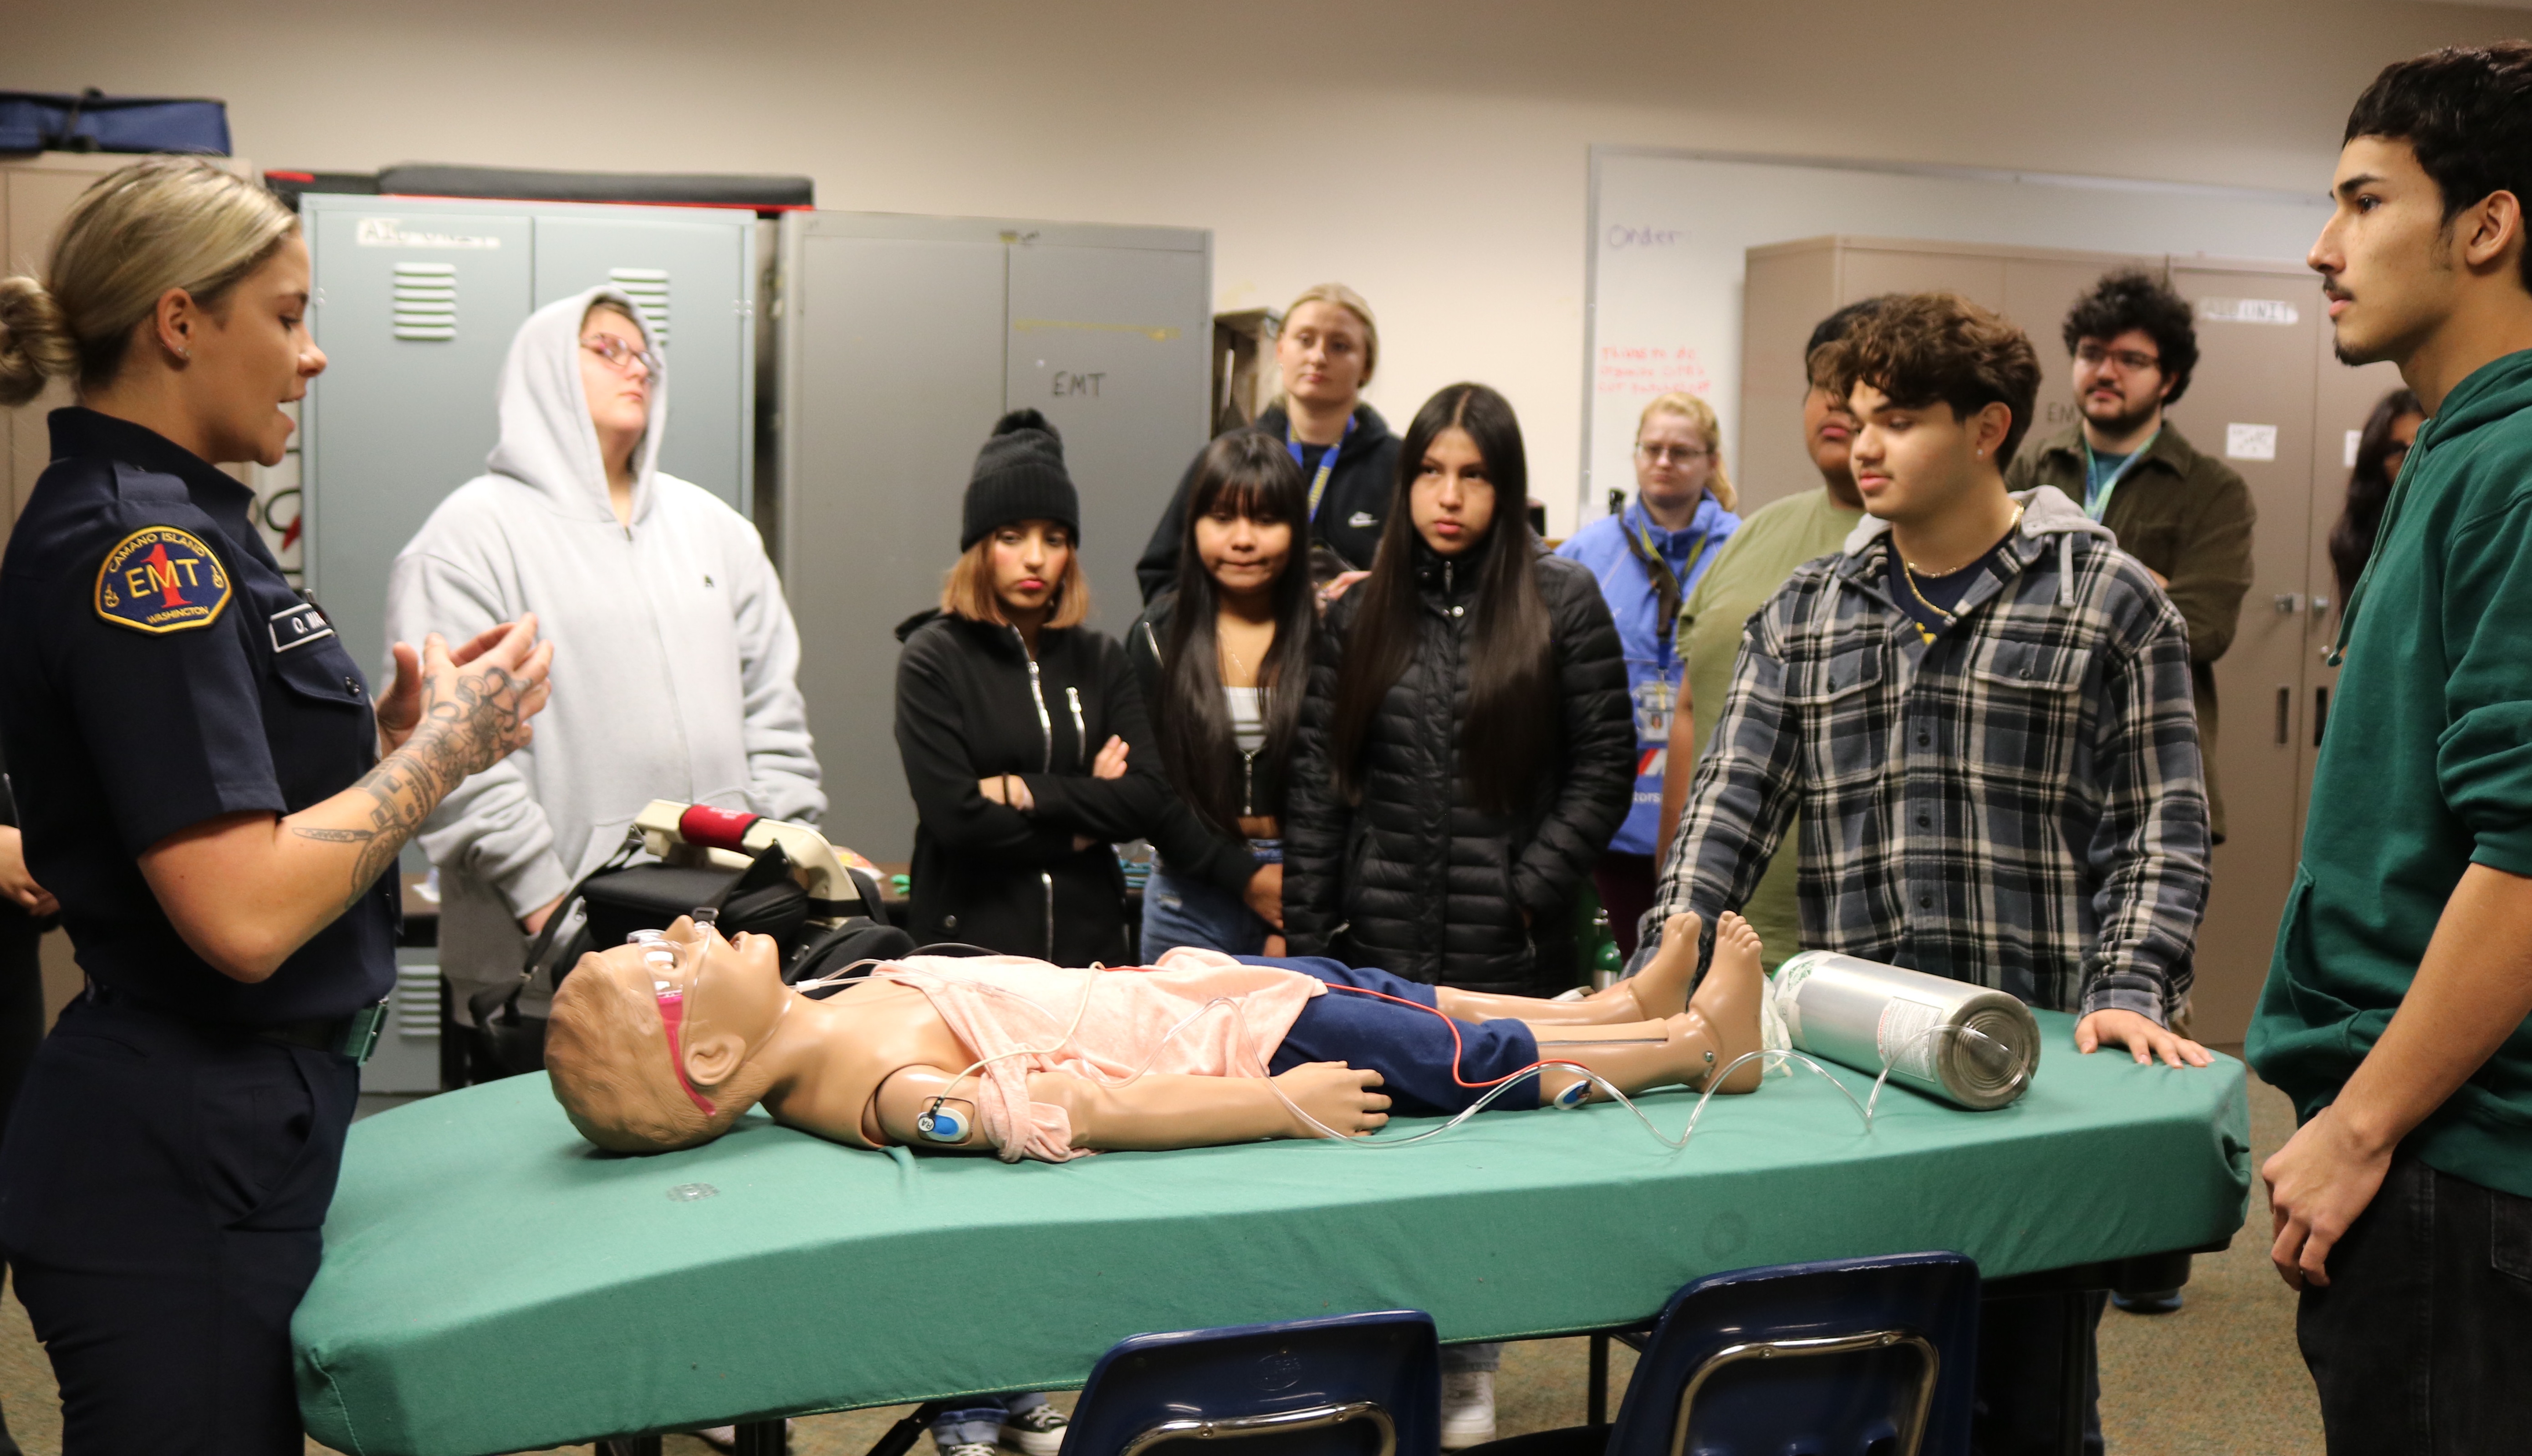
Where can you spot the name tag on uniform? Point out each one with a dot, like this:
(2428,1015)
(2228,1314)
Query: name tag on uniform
(298,625)
(160,580)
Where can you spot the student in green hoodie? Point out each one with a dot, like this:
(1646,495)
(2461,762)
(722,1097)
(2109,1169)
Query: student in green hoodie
(2395,1011)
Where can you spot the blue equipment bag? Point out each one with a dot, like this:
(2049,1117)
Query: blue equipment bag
(92,121)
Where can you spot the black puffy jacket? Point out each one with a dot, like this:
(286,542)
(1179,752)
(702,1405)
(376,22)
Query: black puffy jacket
(971,704)
(1418,880)
(1348,519)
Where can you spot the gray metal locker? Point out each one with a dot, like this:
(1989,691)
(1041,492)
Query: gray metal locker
(901,339)
(417,299)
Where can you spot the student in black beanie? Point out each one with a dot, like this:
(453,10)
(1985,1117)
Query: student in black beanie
(1025,737)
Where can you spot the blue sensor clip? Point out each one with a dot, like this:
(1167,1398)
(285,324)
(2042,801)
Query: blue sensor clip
(940,1124)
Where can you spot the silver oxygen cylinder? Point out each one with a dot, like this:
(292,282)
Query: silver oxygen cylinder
(1866,1015)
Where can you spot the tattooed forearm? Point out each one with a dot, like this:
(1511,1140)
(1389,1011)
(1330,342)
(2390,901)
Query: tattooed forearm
(460,732)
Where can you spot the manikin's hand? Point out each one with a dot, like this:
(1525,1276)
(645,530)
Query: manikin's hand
(1265,896)
(2318,1183)
(401,708)
(1338,1096)
(1111,762)
(15,883)
(2139,1035)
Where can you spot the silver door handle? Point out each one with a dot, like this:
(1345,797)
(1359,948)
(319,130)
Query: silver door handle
(2290,601)
(2320,606)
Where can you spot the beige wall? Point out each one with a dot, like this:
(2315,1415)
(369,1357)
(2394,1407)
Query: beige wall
(1431,154)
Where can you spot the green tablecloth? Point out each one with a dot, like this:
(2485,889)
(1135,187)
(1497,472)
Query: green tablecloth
(492,1283)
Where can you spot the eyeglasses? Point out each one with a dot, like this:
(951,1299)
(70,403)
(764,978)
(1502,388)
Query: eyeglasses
(2094,356)
(1671,454)
(622,357)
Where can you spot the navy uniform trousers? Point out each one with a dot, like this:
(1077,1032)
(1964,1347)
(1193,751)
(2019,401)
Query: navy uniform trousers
(161,1191)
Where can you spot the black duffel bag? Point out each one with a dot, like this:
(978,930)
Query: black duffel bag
(621,897)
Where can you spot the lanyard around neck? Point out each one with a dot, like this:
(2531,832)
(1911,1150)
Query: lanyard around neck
(2096,505)
(1327,462)
(1669,585)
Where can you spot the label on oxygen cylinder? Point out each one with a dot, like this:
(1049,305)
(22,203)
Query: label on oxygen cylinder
(1902,1037)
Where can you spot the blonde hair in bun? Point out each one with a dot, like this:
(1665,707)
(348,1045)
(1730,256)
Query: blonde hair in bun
(163,222)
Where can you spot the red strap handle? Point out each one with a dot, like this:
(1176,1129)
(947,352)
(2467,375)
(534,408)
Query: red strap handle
(716,829)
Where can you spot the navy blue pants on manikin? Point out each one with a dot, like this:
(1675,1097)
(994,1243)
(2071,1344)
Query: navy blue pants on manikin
(1414,1051)
(162,1188)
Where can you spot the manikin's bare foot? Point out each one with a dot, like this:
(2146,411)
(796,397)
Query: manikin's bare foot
(1659,991)
(1725,1008)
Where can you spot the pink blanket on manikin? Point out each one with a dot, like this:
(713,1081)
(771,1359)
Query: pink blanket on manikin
(1101,1026)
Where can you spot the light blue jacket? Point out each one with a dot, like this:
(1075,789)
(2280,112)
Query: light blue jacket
(1652,668)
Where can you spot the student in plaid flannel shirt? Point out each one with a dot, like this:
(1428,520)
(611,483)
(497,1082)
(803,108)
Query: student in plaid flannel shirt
(1982,708)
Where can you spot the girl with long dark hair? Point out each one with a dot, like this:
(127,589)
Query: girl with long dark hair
(1222,659)
(1467,748)
(2381,449)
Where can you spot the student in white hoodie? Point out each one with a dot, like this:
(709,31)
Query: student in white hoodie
(676,651)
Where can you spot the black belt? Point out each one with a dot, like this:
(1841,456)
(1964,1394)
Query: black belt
(355,1035)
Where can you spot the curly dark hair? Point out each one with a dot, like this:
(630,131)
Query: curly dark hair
(2131,298)
(2466,112)
(1923,348)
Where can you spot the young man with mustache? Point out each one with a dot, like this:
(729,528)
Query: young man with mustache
(2394,1013)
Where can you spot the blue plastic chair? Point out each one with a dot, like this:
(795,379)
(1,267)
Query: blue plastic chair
(1850,1357)
(1343,1385)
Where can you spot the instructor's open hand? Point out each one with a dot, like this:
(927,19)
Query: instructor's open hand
(474,705)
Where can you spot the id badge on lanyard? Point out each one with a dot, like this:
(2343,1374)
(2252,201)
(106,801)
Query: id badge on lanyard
(1327,462)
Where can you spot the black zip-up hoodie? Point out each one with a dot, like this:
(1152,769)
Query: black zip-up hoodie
(1349,517)
(971,704)
(1416,880)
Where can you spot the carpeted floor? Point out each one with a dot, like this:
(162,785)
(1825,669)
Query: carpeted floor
(2220,1377)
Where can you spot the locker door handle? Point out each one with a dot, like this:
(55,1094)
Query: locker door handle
(2319,713)
(2285,710)
(2289,602)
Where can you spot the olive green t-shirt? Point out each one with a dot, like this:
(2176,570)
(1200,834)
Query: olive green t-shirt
(1757,559)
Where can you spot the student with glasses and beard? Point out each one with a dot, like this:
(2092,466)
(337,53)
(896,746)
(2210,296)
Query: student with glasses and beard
(2185,514)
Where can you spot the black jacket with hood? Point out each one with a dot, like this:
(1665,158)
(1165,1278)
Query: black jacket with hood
(971,704)
(1350,512)
(1186,843)
(1418,880)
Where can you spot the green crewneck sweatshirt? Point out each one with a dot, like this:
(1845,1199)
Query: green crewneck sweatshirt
(2426,770)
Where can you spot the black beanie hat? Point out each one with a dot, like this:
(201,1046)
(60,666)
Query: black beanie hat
(1021,477)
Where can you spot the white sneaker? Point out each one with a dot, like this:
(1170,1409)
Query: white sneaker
(1035,1432)
(1467,1409)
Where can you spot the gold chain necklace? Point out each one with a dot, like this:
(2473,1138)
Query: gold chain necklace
(1910,571)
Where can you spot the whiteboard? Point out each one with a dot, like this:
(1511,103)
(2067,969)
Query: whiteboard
(1669,229)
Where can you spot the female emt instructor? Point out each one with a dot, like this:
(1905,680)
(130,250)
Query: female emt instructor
(204,786)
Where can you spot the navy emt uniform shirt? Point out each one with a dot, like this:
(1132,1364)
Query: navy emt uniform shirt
(156,670)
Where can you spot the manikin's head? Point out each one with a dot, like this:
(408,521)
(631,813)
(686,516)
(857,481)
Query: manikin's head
(1943,390)
(628,1020)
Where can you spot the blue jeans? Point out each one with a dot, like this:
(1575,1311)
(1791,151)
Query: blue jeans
(1179,911)
(981,1424)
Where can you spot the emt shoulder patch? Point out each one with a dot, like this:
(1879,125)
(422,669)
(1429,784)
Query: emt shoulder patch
(160,580)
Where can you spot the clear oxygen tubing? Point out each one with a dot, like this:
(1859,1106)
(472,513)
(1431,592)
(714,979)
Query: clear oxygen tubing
(1865,1110)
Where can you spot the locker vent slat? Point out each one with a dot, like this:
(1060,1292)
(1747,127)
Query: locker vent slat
(416,1000)
(648,289)
(425,301)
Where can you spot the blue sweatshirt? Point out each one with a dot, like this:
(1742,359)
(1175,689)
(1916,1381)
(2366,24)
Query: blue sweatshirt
(1652,665)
